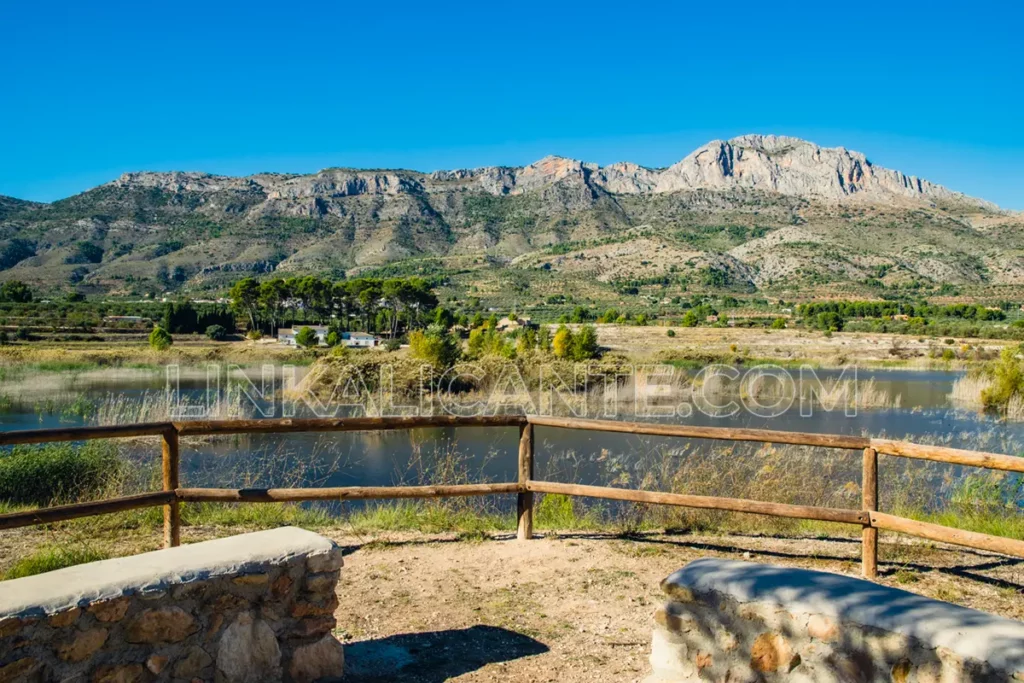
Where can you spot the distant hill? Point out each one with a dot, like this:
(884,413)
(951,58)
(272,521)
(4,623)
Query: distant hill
(765,213)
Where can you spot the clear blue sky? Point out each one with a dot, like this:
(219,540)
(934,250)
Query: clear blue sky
(89,90)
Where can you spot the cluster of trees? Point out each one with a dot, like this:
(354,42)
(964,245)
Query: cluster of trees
(441,348)
(888,309)
(612,315)
(15,292)
(15,251)
(580,346)
(374,304)
(582,314)
(579,315)
(184,318)
(697,315)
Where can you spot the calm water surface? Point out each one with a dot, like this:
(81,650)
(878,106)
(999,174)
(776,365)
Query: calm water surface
(382,458)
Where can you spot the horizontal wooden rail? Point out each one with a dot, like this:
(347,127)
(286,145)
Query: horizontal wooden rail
(61,513)
(342,424)
(340,493)
(83,433)
(755,507)
(867,518)
(945,534)
(724,433)
(952,456)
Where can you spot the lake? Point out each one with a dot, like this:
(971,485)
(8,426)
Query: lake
(922,412)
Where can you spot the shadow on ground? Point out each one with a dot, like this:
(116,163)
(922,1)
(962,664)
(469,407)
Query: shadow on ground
(435,656)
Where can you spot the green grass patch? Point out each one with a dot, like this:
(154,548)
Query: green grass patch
(41,475)
(51,557)
(1006,523)
(564,513)
(255,515)
(428,517)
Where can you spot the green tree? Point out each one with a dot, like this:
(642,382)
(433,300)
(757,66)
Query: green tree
(690,319)
(216,332)
(244,297)
(15,251)
(86,252)
(160,339)
(15,292)
(306,338)
(527,340)
(435,346)
(272,297)
(444,317)
(779,324)
(581,314)
(544,339)
(584,344)
(1007,380)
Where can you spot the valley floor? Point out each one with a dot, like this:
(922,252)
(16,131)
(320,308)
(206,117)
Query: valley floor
(642,344)
(786,346)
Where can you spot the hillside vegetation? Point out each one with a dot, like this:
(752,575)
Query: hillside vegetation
(754,214)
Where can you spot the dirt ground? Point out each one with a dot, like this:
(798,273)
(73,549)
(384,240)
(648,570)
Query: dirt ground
(566,607)
(570,607)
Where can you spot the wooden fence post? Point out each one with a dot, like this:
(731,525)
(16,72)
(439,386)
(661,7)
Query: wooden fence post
(869,503)
(524,503)
(172,511)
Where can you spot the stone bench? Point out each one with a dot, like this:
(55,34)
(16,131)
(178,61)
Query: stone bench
(745,622)
(252,607)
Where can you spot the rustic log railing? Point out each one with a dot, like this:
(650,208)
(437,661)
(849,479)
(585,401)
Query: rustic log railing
(868,517)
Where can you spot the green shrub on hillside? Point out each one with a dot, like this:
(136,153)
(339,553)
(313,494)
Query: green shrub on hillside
(15,291)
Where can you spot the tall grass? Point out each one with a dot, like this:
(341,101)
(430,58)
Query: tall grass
(62,472)
(51,557)
(997,387)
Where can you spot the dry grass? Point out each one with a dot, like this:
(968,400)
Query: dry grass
(131,353)
(967,390)
(787,346)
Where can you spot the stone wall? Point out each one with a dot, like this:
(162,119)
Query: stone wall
(253,607)
(748,623)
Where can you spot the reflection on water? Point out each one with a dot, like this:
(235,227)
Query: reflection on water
(382,458)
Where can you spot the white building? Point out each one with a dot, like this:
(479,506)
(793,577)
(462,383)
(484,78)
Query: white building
(286,335)
(361,340)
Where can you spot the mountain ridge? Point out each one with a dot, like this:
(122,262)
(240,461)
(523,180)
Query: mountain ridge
(782,164)
(767,212)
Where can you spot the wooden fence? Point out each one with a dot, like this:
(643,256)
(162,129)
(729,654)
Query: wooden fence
(868,517)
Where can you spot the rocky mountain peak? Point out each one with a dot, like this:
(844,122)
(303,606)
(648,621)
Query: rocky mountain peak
(769,163)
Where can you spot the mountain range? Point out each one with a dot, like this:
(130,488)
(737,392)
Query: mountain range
(758,212)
